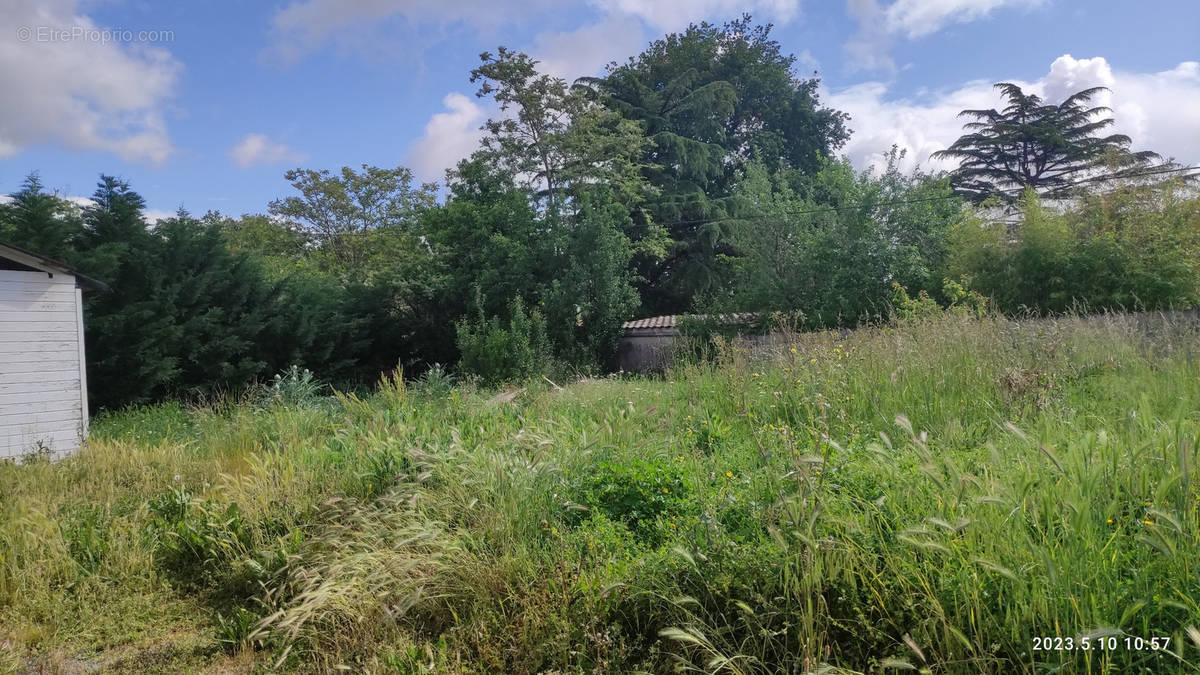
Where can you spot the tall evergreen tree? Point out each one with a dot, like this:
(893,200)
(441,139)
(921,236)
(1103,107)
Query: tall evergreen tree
(130,338)
(1039,145)
(40,221)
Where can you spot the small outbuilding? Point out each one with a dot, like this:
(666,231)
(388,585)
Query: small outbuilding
(43,373)
(649,344)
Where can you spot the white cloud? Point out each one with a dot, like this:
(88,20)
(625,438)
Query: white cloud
(153,216)
(879,25)
(587,50)
(920,127)
(868,48)
(83,94)
(1160,111)
(673,15)
(255,149)
(449,136)
(918,18)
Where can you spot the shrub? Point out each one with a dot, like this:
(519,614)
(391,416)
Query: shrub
(196,540)
(435,383)
(295,386)
(1131,248)
(637,493)
(86,533)
(499,351)
(909,308)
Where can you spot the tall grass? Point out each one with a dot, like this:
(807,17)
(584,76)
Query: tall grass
(932,495)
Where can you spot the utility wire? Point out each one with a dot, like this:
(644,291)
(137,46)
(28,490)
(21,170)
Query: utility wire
(851,207)
(898,202)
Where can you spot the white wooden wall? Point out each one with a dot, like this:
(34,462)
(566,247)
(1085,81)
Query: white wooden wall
(43,388)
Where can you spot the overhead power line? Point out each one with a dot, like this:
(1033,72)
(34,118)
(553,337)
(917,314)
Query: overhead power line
(917,200)
(852,207)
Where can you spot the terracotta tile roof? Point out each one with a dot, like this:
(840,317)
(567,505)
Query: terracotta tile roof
(651,322)
(671,321)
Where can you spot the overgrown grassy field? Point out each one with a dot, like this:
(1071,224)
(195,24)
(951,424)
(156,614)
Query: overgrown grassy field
(929,496)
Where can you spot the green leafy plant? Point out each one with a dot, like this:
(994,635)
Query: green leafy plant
(86,532)
(636,493)
(295,386)
(195,540)
(499,351)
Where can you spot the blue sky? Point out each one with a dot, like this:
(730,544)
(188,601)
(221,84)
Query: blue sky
(206,105)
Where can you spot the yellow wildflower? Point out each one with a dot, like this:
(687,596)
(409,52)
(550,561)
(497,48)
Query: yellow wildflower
(729,474)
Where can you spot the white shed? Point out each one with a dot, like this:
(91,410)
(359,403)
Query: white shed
(43,375)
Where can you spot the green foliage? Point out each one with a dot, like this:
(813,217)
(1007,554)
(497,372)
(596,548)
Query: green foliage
(956,483)
(593,294)
(960,299)
(40,222)
(499,350)
(555,140)
(909,308)
(1133,248)
(195,540)
(1034,145)
(644,495)
(435,383)
(87,536)
(359,219)
(694,177)
(236,630)
(830,246)
(281,248)
(710,99)
(184,314)
(295,387)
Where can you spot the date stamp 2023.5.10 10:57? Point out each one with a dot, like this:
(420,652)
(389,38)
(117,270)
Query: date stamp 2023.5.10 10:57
(1100,643)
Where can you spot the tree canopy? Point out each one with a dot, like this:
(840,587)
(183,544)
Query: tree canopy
(698,176)
(1043,146)
(710,99)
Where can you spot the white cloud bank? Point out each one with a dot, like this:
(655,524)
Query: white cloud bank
(879,25)
(449,136)
(258,149)
(1160,111)
(82,94)
(918,18)
(587,50)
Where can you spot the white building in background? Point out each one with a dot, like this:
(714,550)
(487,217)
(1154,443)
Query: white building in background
(43,374)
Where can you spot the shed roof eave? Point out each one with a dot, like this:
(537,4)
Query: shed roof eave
(49,265)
